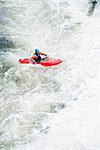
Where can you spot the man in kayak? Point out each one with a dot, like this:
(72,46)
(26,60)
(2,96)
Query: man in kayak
(37,56)
(94,2)
(92,6)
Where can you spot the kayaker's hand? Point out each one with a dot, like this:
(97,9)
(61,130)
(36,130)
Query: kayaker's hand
(46,56)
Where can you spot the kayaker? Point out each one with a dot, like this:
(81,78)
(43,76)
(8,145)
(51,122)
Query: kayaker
(37,56)
(94,2)
(92,7)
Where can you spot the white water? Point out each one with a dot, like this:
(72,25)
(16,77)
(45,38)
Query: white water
(32,98)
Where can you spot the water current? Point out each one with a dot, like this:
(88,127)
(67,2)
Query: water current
(52,108)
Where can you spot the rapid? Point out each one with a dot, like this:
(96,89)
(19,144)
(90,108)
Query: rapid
(50,108)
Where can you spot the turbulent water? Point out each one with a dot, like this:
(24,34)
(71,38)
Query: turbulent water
(54,108)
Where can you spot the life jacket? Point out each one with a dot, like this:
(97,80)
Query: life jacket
(37,57)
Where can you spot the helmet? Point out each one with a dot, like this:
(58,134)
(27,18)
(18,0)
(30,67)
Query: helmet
(37,50)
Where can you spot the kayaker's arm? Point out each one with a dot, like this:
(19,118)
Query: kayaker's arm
(33,57)
(42,53)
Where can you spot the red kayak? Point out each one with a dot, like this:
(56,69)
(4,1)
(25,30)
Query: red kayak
(46,62)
